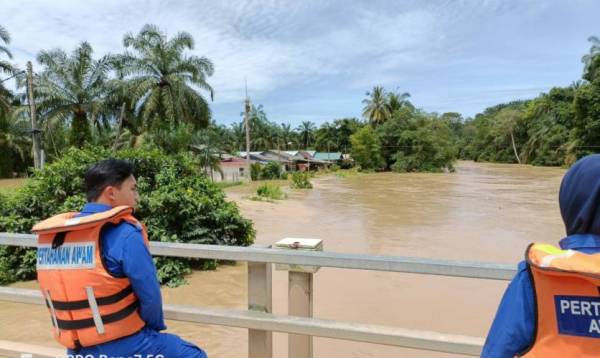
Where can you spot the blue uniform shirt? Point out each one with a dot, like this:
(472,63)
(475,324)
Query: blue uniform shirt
(125,254)
(512,331)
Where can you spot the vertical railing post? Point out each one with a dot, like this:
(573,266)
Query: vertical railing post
(260,343)
(300,292)
(300,303)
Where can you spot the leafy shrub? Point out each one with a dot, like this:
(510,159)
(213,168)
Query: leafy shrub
(269,192)
(366,149)
(255,169)
(334,167)
(346,164)
(271,170)
(177,204)
(300,180)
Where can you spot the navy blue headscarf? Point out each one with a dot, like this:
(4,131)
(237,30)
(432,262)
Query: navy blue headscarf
(579,197)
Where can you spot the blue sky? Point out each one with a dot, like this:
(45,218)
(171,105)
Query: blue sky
(314,60)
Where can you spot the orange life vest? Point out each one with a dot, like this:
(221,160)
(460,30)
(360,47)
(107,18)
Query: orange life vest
(88,305)
(567,298)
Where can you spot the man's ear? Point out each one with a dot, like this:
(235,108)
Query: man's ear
(109,192)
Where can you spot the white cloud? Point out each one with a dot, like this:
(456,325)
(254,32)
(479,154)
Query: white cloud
(339,46)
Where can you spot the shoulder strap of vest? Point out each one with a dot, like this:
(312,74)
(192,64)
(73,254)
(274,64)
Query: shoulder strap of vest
(549,257)
(68,221)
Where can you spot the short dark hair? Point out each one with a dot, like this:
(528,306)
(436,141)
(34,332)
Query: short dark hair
(109,172)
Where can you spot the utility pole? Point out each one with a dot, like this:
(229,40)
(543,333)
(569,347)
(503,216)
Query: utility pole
(247,125)
(35,132)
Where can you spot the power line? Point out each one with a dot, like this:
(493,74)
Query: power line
(13,76)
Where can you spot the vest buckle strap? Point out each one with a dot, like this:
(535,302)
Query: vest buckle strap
(50,305)
(89,291)
(101,301)
(68,325)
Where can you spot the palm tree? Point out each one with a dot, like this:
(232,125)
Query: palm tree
(288,136)
(238,133)
(14,134)
(207,144)
(395,101)
(163,80)
(327,138)
(306,131)
(6,68)
(376,109)
(72,88)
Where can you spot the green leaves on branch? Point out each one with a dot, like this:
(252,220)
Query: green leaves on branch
(177,203)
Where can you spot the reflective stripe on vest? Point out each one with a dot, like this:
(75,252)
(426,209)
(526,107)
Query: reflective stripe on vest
(88,305)
(567,302)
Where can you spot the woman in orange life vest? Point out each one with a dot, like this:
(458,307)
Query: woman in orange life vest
(98,278)
(552,306)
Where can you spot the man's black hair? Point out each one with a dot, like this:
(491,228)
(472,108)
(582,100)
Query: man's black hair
(109,172)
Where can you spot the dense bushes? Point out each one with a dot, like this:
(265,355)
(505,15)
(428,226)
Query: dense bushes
(269,171)
(178,204)
(300,180)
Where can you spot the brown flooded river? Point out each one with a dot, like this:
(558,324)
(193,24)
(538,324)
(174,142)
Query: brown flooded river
(483,212)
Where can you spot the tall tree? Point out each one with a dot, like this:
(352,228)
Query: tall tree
(327,138)
(72,88)
(591,60)
(288,135)
(163,79)
(15,141)
(306,131)
(366,149)
(395,101)
(506,122)
(5,68)
(376,106)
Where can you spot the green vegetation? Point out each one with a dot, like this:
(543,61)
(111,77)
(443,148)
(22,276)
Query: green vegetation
(366,149)
(301,180)
(555,128)
(269,192)
(177,205)
(155,95)
(152,94)
(270,171)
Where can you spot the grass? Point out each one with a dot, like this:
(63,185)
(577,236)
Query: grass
(8,186)
(346,173)
(269,192)
(301,180)
(228,184)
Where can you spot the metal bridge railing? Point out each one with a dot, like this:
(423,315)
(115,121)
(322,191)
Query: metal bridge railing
(260,321)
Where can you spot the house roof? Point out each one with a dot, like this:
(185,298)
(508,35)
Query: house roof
(328,155)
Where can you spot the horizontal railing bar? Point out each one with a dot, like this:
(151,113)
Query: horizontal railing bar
(19,350)
(401,337)
(482,270)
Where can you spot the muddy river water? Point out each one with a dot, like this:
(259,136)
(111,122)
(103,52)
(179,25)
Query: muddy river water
(483,212)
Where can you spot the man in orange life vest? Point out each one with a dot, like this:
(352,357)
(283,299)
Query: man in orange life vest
(552,306)
(98,278)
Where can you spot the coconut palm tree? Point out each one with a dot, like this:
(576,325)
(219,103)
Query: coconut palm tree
(72,88)
(395,101)
(327,138)
(14,134)
(307,132)
(163,80)
(376,107)
(288,135)
(5,68)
